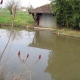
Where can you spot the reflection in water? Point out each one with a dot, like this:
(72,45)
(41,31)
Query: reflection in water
(60,55)
(15,35)
(9,37)
(63,62)
(43,40)
(12,36)
(8,62)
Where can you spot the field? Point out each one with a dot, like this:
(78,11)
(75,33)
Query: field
(22,18)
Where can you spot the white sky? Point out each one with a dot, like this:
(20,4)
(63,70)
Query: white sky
(34,3)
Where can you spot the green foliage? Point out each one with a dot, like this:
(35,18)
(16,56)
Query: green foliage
(67,12)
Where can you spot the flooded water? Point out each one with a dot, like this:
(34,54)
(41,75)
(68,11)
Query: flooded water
(60,56)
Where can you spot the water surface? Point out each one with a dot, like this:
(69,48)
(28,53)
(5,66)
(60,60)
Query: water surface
(60,55)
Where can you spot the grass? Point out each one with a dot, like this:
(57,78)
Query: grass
(4,17)
(22,18)
(67,32)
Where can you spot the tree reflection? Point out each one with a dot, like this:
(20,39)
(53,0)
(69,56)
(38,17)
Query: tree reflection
(63,63)
(15,35)
(12,35)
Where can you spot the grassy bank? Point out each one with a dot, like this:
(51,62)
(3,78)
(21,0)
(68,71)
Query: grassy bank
(63,31)
(22,18)
(67,32)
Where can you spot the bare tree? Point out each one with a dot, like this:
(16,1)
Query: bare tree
(30,7)
(9,6)
(12,6)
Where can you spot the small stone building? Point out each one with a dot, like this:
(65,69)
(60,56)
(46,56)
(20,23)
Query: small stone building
(43,16)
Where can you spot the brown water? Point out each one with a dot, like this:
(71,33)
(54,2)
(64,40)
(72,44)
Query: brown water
(60,55)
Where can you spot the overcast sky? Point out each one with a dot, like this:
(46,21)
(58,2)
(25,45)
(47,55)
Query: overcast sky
(34,3)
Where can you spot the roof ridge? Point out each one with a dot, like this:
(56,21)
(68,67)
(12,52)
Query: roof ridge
(42,6)
(42,9)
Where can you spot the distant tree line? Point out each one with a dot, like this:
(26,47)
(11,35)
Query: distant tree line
(67,12)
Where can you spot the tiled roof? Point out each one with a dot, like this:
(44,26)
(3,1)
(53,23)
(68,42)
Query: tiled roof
(43,9)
